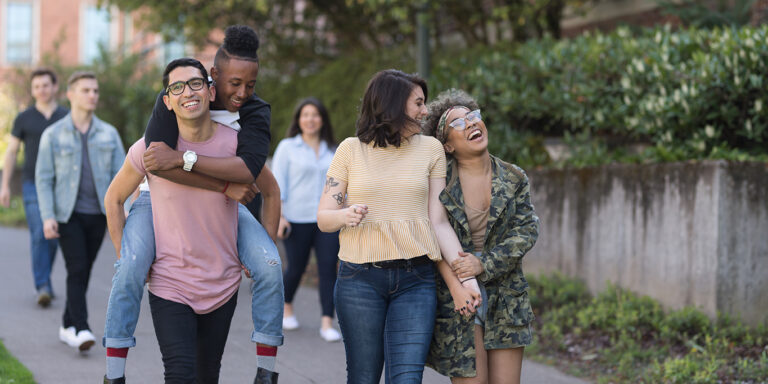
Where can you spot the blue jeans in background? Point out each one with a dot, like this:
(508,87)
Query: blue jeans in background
(257,253)
(386,316)
(43,251)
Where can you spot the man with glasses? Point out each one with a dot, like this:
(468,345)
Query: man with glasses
(194,280)
(234,75)
(78,157)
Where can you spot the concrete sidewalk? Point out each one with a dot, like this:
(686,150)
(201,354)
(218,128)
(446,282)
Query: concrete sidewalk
(31,333)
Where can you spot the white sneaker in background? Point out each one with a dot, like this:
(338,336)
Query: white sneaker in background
(84,340)
(290,323)
(330,335)
(67,335)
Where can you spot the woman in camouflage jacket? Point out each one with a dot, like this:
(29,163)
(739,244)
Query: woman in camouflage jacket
(489,207)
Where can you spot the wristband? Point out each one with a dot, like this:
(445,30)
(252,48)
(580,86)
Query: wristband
(467,279)
(226,185)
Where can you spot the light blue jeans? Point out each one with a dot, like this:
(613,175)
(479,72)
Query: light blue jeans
(43,250)
(257,253)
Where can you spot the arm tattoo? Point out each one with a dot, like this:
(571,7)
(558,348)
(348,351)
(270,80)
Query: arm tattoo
(339,197)
(329,183)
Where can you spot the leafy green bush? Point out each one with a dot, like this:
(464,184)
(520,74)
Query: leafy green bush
(689,93)
(557,290)
(620,337)
(691,369)
(684,323)
(685,94)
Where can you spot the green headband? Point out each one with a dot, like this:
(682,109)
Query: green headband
(440,134)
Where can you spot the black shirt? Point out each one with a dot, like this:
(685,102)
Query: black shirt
(28,127)
(252,140)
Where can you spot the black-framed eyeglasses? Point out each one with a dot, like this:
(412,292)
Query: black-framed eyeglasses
(461,123)
(177,88)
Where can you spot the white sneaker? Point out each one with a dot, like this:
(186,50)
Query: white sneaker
(84,340)
(330,335)
(290,323)
(67,335)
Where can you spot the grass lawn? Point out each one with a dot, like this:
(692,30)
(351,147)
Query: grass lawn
(11,370)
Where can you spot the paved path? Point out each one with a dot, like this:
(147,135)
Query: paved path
(31,333)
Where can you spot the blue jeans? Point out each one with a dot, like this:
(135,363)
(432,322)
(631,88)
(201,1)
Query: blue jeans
(43,251)
(257,253)
(386,316)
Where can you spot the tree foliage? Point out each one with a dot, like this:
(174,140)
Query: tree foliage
(304,32)
(720,13)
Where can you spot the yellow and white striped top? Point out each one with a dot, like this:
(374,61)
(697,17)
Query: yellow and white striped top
(394,183)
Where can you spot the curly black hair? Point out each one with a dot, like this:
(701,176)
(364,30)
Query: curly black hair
(446,99)
(240,42)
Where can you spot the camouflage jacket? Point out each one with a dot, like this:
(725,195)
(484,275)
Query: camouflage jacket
(512,230)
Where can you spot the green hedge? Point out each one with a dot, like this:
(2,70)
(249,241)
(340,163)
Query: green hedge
(620,337)
(685,94)
(689,93)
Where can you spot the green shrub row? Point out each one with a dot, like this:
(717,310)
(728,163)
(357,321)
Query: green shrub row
(683,94)
(689,93)
(618,336)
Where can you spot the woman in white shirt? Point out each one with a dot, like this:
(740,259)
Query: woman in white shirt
(300,163)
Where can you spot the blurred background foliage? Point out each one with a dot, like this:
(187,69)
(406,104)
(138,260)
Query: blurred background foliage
(652,95)
(128,86)
(632,94)
(709,14)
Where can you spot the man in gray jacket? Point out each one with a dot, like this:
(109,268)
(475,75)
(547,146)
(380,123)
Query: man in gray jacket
(78,157)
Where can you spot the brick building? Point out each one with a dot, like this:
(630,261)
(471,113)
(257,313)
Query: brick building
(72,31)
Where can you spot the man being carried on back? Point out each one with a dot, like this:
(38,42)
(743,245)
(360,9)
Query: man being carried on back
(234,74)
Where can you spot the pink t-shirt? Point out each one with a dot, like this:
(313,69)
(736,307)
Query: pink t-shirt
(195,232)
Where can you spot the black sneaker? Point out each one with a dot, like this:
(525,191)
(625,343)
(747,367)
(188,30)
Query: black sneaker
(264,376)
(120,380)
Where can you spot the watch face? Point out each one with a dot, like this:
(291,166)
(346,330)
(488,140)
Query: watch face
(190,156)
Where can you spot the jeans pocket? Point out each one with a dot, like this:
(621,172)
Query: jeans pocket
(348,270)
(425,272)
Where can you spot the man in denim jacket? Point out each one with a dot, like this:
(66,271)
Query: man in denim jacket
(78,157)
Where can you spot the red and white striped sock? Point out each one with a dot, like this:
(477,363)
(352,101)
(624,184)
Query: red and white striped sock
(116,362)
(266,357)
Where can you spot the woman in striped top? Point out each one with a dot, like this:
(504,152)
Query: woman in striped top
(382,191)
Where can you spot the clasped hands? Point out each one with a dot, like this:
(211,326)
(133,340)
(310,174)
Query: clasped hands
(467,298)
(160,157)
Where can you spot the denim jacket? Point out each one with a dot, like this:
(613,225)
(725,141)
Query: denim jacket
(512,230)
(59,164)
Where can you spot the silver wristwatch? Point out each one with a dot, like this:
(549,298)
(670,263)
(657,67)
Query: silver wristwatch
(190,158)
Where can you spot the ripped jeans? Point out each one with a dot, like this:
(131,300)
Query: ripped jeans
(257,253)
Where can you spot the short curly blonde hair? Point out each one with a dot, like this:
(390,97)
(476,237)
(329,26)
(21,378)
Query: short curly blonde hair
(446,99)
